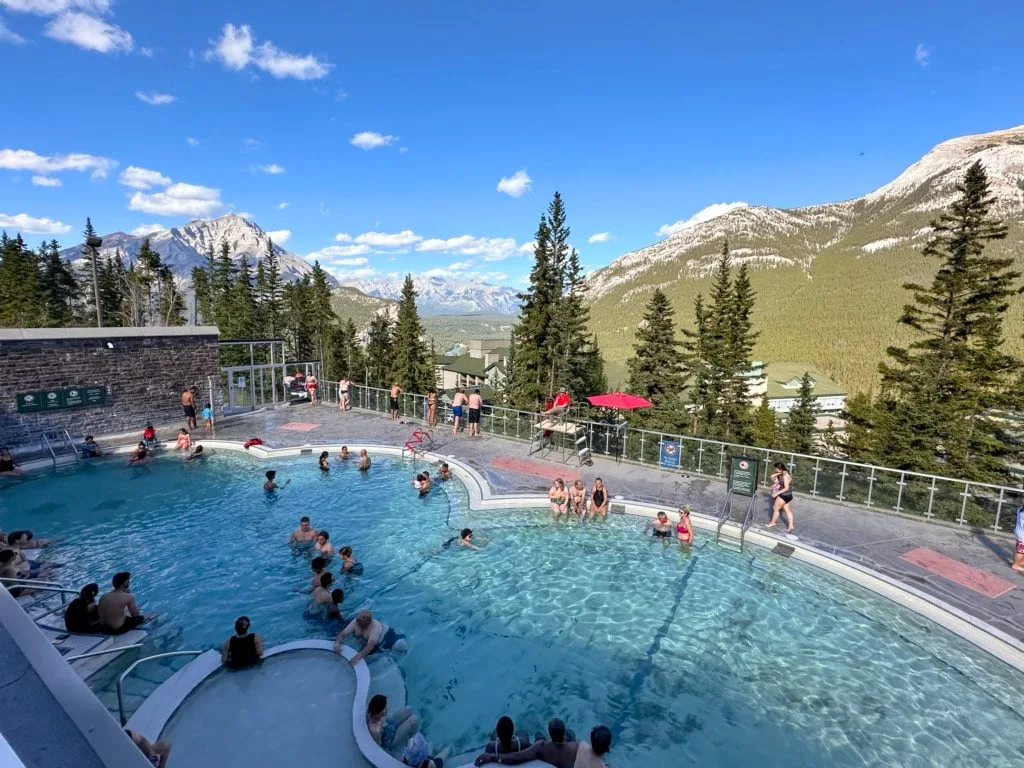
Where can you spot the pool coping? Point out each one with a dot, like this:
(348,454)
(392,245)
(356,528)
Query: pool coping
(481,498)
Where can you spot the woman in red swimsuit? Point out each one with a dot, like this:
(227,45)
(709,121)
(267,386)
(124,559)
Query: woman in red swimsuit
(684,530)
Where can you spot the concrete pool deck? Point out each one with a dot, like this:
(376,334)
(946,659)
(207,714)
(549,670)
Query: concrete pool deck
(873,539)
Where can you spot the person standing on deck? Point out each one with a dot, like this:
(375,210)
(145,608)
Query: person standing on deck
(395,393)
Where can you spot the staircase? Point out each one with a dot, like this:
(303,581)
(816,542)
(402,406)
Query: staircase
(418,442)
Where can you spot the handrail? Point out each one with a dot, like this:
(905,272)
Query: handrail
(104,652)
(131,668)
(907,492)
(5,579)
(748,519)
(44,442)
(724,515)
(66,438)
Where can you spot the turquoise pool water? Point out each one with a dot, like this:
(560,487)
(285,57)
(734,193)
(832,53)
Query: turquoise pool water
(709,657)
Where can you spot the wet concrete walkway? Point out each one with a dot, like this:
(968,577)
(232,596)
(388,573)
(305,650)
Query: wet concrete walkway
(871,538)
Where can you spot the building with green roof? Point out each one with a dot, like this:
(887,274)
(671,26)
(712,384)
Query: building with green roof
(781,382)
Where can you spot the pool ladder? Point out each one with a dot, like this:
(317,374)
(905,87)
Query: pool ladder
(61,439)
(726,513)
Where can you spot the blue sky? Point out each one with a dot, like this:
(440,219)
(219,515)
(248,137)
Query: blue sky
(391,126)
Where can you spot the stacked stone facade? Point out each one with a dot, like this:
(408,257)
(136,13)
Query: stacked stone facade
(143,370)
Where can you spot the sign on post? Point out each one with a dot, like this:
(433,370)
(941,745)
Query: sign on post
(670,454)
(743,471)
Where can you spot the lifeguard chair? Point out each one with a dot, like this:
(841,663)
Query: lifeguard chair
(560,432)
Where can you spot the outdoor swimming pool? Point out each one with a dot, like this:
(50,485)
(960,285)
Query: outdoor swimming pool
(710,657)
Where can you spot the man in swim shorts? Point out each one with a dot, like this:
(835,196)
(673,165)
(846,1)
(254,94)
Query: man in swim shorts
(661,525)
(376,636)
(395,392)
(117,609)
(188,405)
(476,403)
(304,535)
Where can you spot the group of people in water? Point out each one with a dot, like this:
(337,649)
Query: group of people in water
(573,500)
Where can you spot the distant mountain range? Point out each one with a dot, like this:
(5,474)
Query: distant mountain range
(185,247)
(445,296)
(829,277)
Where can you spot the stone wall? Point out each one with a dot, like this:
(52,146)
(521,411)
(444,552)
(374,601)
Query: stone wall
(143,370)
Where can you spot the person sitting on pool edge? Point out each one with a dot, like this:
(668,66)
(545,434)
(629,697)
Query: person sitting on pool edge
(90,450)
(271,485)
(445,473)
(558,751)
(158,753)
(82,614)
(661,525)
(9,569)
(7,464)
(418,753)
(242,649)
(149,436)
(349,563)
(506,740)
(592,755)
(376,636)
(391,732)
(364,460)
(304,536)
(464,539)
(114,605)
(184,442)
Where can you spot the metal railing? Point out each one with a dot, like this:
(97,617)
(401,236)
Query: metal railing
(104,652)
(65,439)
(132,667)
(916,494)
(45,447)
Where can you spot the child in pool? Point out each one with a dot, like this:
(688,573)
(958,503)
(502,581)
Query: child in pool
(323,545)
(349,563)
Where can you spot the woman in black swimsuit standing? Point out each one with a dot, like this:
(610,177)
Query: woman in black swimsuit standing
(599,499)
(782,495)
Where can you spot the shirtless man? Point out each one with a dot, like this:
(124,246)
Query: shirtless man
(661,525)
(592,755)
(476,403)
(374,634)
(188,405)
(321,596)
(364,460)
(458,402)
(117,610)
(557,752)
(395,392)
(319,566)
(304,535)
(577,499)
(271,485)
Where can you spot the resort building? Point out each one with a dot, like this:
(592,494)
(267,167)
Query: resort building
(781,382)
(485,364)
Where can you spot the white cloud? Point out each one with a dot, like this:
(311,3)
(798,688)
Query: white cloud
(147,52)
(144,230)
(461,266)
(154,98)
(26,160)
(343,237)
(516,185)
(922,54)
(600,237)
(707,214)
(236,50)
(22,222)
(142,178)
(324,210)
(46,181)
(337,251)
(402,150)
(89,32)
(344,274)
(527,249)
(281,206)
(456,270)
(178,200)
(53,7)
(488,248)
(280,236)
(401,239)
(7,36)
(253,144)
(191,141)
(371,140)
(273,169)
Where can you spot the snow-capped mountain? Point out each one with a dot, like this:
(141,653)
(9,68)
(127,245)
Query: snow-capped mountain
(444,296)
(829,277)
(184,247)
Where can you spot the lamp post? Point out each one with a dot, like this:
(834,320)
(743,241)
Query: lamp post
(93,243)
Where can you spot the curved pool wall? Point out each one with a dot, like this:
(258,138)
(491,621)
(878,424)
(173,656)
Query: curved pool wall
(995,642)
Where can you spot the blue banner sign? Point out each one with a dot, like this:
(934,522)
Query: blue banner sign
(671,453)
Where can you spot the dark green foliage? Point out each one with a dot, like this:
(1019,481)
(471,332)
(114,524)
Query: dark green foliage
(942,395)
(656,370)
(534,333)
(344,355)
(800,422)
(766,425)
(21,302)
(380,345)
(412,367)
(58,285)
(859,415)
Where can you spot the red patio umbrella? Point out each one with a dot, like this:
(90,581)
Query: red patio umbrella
(620,401)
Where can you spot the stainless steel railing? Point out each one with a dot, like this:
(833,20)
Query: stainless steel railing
(933,498)
(132,667)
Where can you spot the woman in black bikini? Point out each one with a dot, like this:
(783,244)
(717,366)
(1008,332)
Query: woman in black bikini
(782,496)
(599,499)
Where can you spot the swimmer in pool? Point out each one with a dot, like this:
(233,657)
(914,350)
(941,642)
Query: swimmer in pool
(343,454)
(577,499)
(661,525)
(319,566)
(334,611)
(323,545)
(196,455)
(445,473)
(349,564)
(321,596)
(376,636)
(425,484)
(325,465)
(464,539)
(364,460)
(271,484)
(139,455)
(304,535)
(684,530)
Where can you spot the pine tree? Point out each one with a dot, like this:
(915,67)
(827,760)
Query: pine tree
(170,301)
(222,279)
(740,340)
(203,297)
(21,300)
(801,420)
(294,326)
(241,305)
(941,395)
(411,366)
(858,441)
(696,350)
(656,369)
(766,426)
(345,356)
(533,334)
(58,285)
(321,313)
(272,292)
(379,350)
